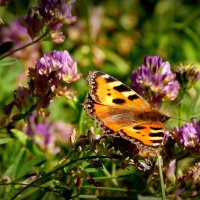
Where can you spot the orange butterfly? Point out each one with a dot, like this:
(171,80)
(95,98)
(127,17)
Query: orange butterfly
(119,109)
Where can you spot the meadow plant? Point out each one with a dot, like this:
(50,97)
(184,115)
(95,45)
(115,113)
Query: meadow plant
(43,156)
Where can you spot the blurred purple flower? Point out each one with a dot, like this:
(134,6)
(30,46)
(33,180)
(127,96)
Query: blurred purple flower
(17,34)
(188,135)
(155,81)
(47,134)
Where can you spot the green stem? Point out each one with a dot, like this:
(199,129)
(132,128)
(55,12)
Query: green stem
(23,47)
(109,188)
(107,173)
(81,117)
(161,177)
(181,106)
(56,170)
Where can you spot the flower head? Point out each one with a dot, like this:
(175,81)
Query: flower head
(51,70)
(188,135)
(188,75)
(155,80)
(53,14)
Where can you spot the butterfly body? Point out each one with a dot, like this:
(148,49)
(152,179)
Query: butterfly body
(120,110)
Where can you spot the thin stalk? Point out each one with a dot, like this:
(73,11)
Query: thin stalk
(81,117)
(181,107)
(108,188)
(56,170)
(161,177)
(114,174)
(23,47)
(107,173)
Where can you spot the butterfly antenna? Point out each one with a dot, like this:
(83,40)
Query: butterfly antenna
(180,119)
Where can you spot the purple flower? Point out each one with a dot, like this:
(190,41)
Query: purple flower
(155,81)
(53,68)
(53,14)
(15,33)
(41,131)
(47,134)
(188,135)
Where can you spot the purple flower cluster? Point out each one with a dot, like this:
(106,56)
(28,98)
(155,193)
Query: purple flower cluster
(188,135)
(51,71)
(155,81)
(52,76)
(53,14)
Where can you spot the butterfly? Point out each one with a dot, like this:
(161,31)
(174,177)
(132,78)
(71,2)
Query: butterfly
(120,110)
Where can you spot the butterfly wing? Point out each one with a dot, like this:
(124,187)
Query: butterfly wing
(150,134)
(107,90)
(116,108)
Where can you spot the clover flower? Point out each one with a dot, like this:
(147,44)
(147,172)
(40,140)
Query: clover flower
(187,75)
(155,81)
(53,14)
(188,135)
(52,72)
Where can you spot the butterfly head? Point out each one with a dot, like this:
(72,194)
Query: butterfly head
(163,118)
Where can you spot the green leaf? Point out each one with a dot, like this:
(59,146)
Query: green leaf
(13,170)
(23,138)
(9,62)
(5,140)
(29,164)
